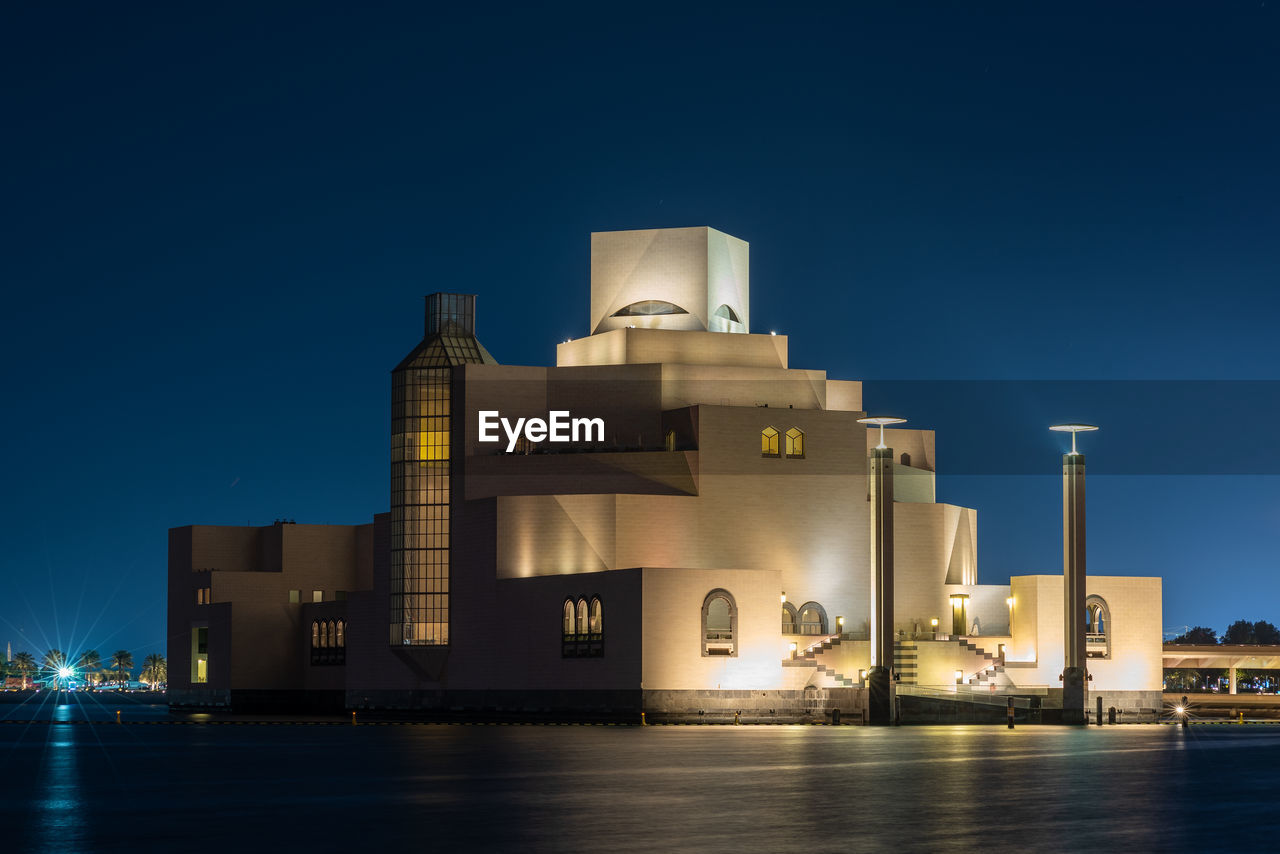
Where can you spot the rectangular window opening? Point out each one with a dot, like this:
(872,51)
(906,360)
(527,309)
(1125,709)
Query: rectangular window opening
(200,654)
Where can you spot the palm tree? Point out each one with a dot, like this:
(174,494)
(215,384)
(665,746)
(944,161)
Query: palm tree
(122,661)
(54,660)
(89,660)
(154,669)
(25,663)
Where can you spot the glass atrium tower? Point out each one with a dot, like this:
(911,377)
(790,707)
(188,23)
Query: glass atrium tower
(422,390)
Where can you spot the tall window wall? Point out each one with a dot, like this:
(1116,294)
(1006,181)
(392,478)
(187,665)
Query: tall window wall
(420,419)
(421,413)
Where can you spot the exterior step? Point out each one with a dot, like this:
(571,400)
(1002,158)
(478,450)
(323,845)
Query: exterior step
(905,655)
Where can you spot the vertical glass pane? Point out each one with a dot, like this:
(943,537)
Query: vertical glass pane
(420,434)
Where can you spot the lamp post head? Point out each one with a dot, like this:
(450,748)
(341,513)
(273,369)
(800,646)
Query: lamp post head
(881,420)
(1073,428)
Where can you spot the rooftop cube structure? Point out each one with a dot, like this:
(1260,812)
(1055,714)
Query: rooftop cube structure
(690,279)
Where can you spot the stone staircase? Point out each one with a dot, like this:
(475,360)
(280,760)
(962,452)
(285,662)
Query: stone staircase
(989,676)
(983,669)
(905,655)
(808,657)
(991,666)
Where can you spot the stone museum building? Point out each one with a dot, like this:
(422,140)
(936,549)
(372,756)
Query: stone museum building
(672,519)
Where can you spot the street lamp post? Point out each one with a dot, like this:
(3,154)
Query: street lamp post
(880,678)
(1074,674)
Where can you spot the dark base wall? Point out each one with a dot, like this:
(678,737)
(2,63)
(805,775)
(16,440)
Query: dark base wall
(622,706)
(799,706)
(259,702)
(809,705)
(1131,707)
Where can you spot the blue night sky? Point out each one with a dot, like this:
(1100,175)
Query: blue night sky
(219,225)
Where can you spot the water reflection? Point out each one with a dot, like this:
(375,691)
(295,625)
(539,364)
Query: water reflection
(60,812)
(697,789)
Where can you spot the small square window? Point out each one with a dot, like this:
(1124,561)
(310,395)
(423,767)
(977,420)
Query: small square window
(317,595)
(340,595)
(295,596)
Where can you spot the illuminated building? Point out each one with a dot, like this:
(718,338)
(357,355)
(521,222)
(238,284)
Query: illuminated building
(709,554)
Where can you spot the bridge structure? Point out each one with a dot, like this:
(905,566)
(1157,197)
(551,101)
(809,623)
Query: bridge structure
(1229,657)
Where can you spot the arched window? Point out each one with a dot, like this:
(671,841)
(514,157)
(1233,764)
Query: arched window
(727,313)
(905,459)
(597,618)
(768,442)
(719,624)
(569,624)
(1097,628)
(328,642)
(670,440)
(648,308)
(582,628)
(813,619)
(795,443)
(789,619)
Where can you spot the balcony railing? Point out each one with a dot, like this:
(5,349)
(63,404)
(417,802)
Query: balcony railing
(589,645)
(336,655)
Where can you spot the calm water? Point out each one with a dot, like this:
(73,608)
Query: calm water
(162,787)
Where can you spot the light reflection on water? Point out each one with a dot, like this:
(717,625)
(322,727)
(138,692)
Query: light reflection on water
(59,814)
(631,789)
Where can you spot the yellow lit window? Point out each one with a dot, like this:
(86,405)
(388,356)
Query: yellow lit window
(768,442)
(433,445)
(795,442)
